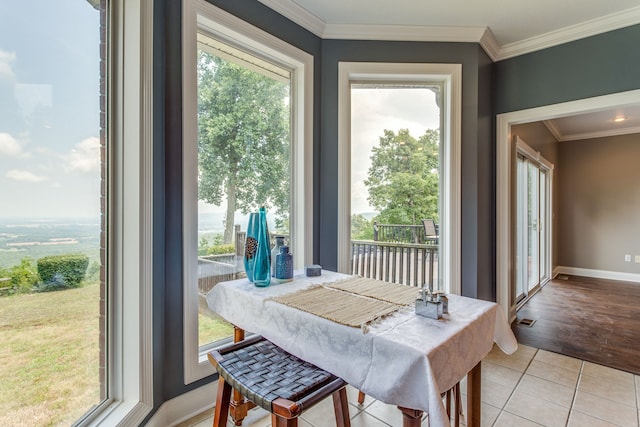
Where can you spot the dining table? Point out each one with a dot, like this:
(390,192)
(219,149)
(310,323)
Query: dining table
(395,355)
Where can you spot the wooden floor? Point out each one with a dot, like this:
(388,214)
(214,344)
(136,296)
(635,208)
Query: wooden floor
(596,320)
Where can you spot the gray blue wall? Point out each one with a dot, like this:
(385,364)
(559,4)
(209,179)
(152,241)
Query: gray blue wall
(598,65)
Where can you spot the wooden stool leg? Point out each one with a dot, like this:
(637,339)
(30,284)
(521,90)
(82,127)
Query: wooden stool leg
(458,403)
(239,406)
(448,403)
(341,408)
(361,397)
(277,421)
(410,417)
(222,404)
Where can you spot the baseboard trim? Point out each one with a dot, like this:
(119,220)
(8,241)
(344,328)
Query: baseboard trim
(185,406)
(599,274)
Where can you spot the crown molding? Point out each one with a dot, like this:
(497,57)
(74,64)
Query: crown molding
(298,14)
(481,35)
(403,33)
(582,30)
(490,45)
(560,137)
(553,129)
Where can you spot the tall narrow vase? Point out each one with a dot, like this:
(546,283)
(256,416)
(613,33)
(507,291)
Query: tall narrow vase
(262,265)
(251,244)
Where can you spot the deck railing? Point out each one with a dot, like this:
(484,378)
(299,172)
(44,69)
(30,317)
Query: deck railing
(405,263)
(402,233)
(412,264)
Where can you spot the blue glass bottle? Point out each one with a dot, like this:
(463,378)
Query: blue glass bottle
(262,264)
(251,245)
(284,264)
(274,253)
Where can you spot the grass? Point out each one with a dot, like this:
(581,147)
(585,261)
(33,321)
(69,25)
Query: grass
(212,329)
(49,357)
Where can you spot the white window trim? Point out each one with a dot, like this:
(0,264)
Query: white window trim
(451,76)
(505,231)
(198,14)
(130,352)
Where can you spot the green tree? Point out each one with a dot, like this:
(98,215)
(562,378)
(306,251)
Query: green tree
(243,139)
(361,228)
(403,177)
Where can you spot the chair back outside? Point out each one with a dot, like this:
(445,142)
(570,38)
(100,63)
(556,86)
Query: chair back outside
(429,228)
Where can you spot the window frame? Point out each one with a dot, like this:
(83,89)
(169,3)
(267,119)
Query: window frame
(129,208)
(200,16)
(450,76)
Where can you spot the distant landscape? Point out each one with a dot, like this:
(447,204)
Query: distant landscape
(37,238)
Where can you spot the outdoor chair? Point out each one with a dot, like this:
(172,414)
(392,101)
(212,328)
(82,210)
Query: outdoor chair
(430,231)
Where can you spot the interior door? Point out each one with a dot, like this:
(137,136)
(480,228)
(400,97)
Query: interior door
(532,214)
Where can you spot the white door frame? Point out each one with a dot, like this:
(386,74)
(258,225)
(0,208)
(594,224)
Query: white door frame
(504,176)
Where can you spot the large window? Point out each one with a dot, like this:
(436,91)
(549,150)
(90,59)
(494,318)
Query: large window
(74,240)
(415,181)
(247,123)
(52,129)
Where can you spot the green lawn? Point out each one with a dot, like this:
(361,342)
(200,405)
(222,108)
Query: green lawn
(49,354)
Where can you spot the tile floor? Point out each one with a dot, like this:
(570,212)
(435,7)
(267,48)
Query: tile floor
(529,388)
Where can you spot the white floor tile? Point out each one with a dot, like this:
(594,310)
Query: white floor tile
(605,409)
(553,373)
(539,411)
(621,392)
(539,388)
(558,360)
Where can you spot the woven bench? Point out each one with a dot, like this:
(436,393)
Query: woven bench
(275,380)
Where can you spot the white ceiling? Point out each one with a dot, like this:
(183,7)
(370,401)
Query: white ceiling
(504,28)
(596,124)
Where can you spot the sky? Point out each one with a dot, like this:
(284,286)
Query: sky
(372,111)
(49,109)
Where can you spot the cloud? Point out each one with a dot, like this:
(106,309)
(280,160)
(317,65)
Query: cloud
(24,176)
(9,146)
(84,157)
(6,58)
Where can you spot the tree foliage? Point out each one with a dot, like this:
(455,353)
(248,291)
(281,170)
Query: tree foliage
(361,228)
(243,139)
(403,177)
(24,276)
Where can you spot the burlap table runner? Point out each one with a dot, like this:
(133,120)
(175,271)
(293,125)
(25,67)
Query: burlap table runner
(354,302)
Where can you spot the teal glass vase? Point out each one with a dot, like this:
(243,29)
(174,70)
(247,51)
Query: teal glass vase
(262,263)
(251,245)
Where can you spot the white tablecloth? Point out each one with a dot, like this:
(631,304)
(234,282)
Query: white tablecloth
(406,359)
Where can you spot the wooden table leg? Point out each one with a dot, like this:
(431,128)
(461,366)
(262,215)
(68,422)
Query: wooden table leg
(239,406)
(410,417)
(474,395)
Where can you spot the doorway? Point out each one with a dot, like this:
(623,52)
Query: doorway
(505,180)
(533,213)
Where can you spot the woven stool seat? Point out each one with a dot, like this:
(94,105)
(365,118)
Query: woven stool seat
(275,380)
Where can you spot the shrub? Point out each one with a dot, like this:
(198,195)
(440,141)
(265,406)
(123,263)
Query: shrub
(62,271)
(24,276)
(221,249)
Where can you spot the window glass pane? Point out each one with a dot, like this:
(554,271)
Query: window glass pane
(244,122)
(52,305)
(395,174)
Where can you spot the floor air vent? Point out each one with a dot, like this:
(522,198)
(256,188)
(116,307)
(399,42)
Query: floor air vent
(562,277)
(526,322)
